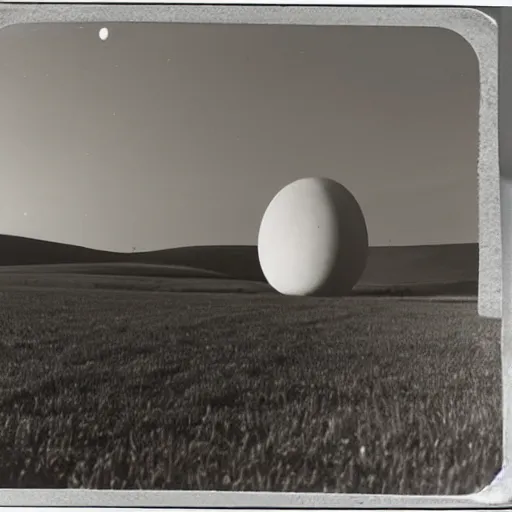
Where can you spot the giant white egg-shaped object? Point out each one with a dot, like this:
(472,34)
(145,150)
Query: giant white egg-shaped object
(313,239)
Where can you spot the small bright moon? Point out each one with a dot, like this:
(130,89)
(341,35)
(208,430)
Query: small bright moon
(103,33)
(24,214)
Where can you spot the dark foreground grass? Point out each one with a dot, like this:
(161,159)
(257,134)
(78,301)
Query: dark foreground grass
(155,390)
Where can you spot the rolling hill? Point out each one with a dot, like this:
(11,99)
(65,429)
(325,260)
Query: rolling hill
(424,263)
(18,250)
(431,269)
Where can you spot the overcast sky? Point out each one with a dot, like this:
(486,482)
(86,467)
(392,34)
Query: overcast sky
(172,135)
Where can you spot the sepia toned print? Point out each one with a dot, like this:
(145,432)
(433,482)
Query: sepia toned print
(242,258)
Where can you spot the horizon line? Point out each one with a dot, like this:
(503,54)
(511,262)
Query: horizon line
(42,240)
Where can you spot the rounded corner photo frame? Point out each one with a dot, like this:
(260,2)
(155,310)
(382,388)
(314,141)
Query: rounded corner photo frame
(487,27)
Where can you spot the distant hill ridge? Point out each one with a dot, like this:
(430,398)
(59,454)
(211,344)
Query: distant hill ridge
(424,263)
(432,264)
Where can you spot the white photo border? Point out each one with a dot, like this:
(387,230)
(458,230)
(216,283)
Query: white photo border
(480,29)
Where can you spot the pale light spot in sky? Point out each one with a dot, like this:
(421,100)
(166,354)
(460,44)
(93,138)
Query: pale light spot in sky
(103,33)
(25,214)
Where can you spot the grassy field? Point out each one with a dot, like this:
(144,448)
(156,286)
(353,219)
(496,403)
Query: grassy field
(117,382)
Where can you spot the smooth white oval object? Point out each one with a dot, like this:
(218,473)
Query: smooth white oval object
(313,239)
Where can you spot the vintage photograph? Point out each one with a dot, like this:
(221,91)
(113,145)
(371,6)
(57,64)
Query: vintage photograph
(242,258)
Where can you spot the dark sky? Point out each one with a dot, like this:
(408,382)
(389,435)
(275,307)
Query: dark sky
(171,135)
